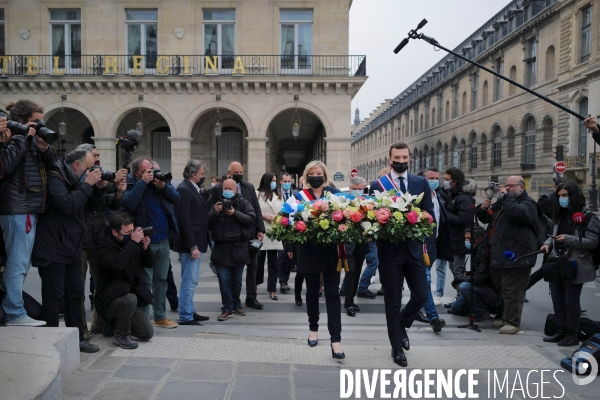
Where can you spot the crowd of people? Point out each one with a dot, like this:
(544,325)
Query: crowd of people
(63,216)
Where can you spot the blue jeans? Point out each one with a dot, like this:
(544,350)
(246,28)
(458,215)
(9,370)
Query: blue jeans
(371,268)
(429,307)
(156,279)
(230,285)
(19,246)
(190,271)
(440,269)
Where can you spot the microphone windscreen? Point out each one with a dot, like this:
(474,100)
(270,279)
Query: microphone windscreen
(509,255)
(578,218)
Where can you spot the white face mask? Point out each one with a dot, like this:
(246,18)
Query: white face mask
(212,184)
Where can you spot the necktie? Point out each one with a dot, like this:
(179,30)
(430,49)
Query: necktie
(402,186)
(286,196)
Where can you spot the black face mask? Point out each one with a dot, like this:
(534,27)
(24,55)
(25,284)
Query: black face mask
(399,167)
(315,181)
(201,182)
(237,177)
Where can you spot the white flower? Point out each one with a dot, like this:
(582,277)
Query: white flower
(366,225)
(306,214)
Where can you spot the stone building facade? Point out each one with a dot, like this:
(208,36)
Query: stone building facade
(458,115)
(163,64)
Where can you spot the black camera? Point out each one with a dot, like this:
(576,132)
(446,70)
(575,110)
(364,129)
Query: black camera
(128,143)
(255,244)
(226,203)
(106,175)
(149,231)
(41,130)
(162,176)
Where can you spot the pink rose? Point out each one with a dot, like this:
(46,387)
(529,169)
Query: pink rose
(285,221)
(370,207)
(356,217)
(383,214)
(317,205)
(300,226)
(324,206)
(342,228)
(412,217)
(337,216)
(348,213)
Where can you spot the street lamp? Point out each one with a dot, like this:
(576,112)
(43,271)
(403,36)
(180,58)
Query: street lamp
(296,123)
(62,125)
(593,172)
(139,126)
(218,121)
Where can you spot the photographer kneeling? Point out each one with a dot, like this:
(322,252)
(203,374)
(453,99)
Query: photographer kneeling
(231,221)
(121,293)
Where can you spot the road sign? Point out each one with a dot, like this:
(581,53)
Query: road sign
(560,167)
(353,173)
(338,176)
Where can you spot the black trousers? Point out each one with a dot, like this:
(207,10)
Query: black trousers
(171,288)
(566,302)
(284,266)
(298,282)
(270,256)
(355,264)
(131,319)
(251,277)
(62,283)
(331,279)
(396,264)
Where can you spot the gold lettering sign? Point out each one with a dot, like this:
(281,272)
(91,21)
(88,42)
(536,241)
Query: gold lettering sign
(239,66)
(186,65)
(55,69)
(110,62)
(137,65)
(5,60)
(32,68)
(211,64)
(161,68)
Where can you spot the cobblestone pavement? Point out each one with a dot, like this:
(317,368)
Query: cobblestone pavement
(264,355)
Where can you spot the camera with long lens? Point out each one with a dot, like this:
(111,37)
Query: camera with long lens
(41,130)
(108,176)
(148,231)
(162,176)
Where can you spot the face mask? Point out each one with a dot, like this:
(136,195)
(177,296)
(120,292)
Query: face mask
(228,194)
(447,185)
(468,245)
(125,239)
(564,202)
(237,177)
(201,181)
(212,184)
(433,185)
(315,181)
(273,185)
(399,167)
(286,186)
(357,193)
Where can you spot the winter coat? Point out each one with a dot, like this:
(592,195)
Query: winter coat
(246,191)
(59,231)
(481,269)
(96,210)
(459,214)
(546,204)
(23,176)
(120,271)
(192,217)
(512,226)
(231,233)
(270,207)
(580,250)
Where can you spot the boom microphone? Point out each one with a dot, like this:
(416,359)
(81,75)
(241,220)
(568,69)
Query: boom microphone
(509,255)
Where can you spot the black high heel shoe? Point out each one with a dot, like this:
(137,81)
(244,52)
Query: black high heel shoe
(337,356)
(312,343)
(299,301)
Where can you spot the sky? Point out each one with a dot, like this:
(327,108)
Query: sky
(378,26)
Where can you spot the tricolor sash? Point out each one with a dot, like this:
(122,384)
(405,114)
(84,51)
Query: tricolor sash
(306,195)
(387,183)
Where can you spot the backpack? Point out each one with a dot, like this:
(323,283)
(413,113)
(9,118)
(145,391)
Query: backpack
(595,252)
(544,225)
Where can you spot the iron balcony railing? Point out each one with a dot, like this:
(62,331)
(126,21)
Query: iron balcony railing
(186,65)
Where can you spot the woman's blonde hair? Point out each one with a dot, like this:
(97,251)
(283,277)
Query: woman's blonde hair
(311,165)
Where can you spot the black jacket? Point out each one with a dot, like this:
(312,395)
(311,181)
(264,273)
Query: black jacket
(23,170)
(458,212)
(512,226)
(119,271)
(247,192)
(60,229)
(480,267)
(192,217)
(440,247)
(95,213)
(232,233)
(546,204)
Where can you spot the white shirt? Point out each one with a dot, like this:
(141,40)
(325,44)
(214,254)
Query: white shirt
(195,185)
(396,178)
(436,212)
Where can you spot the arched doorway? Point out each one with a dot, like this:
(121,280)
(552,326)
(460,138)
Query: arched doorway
(78,129)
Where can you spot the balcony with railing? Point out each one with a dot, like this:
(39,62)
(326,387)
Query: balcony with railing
(183,65)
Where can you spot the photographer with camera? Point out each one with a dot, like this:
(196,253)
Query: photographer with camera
(59,238)
(149,198)
(24,160)
(232,221)
(122,254)
(107,196)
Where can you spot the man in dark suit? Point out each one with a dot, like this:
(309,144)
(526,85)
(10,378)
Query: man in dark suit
(286,258)
(438,246)
(192,240)
(403,259)
(246,191)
